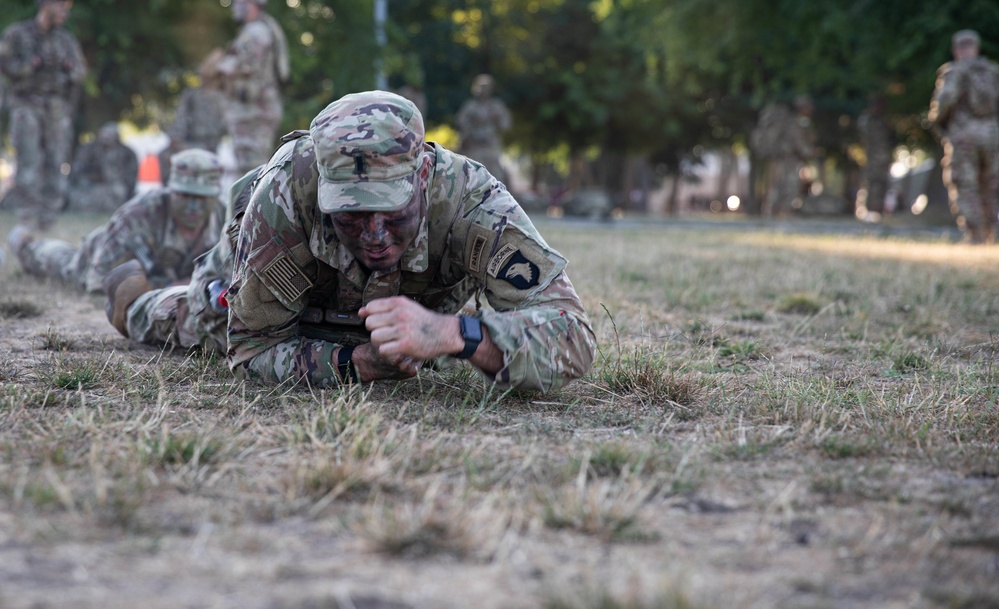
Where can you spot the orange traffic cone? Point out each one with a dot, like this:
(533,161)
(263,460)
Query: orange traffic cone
(149,169)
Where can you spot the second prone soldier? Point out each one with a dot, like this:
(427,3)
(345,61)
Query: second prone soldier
(164,230)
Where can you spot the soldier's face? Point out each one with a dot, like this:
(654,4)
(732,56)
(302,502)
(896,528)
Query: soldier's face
(190,211)
(239,10)
(378,240)
(56,13)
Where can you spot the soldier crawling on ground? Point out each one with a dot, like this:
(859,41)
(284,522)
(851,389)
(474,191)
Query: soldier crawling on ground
(355,256)
(164,230)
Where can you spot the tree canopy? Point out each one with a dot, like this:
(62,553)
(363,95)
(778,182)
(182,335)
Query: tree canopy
(653,78)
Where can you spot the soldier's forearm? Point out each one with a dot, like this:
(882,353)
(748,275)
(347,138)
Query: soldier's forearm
(543,349)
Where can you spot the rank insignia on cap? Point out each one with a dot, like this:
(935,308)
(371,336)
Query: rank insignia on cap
(520,272)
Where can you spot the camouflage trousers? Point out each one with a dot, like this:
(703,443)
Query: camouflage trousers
(58,259)
(783,185)
(253,127)
(42,136)
(971,173)
(164,317)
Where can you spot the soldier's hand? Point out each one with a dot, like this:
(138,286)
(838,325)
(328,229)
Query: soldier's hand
(371,366)
(403,327)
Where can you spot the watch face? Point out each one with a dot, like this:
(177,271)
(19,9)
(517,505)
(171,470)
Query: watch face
(471,329)
(471,332)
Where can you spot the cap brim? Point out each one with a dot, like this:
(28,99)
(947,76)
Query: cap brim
(369,196)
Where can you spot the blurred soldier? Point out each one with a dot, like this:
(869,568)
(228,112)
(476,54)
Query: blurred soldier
(45,67)
(164,230)
(253,67)
(481,121)
(876,137)
(199,120)
(104,173)
(963,113)
(785,143)
(356,253)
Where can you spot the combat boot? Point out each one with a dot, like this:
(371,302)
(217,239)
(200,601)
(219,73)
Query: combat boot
(123,285)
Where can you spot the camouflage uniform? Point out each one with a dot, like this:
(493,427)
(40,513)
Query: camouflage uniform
(784,142)
(876,136)
(143,229)
(966,121)
(481,120)
(104,173)
(199,122)
(183,316)
(45,70)
(252,68)
(293,279)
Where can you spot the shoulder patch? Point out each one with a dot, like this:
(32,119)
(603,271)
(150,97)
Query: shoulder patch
(479,244)
(520,272)
(286,278)
(499,259)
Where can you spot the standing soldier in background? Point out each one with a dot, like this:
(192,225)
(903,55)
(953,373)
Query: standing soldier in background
(876,137)
(199,120)
(481,121)
(251,69)
(785,142)
(104,173)
(963,113)
(44,67)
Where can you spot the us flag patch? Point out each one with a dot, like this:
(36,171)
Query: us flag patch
(286,278)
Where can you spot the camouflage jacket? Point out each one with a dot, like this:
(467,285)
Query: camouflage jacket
(481,122)
(109,164)
(40,64)
(199,121)
(142,229)
(966,95)
(291,270)
(255,62)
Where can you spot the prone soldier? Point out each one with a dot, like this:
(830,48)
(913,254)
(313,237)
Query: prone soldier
(361,243)
(163,230)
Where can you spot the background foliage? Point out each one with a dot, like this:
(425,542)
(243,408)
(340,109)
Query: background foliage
(663,80)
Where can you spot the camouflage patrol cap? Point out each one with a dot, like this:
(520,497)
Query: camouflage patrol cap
(195,172)
(965,37)
(369,151)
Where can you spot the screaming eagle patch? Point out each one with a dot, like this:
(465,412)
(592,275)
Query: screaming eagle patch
(519,272)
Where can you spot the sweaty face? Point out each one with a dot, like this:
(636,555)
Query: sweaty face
(378,240)
(190,211)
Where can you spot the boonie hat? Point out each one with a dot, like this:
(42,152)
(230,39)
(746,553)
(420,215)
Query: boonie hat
(195,172)
(368,151)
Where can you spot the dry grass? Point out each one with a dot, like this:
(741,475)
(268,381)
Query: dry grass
(773,420)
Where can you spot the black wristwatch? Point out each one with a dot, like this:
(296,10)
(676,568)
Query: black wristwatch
(471,331)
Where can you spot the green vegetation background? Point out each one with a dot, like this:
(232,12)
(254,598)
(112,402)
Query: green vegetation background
(660,79)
